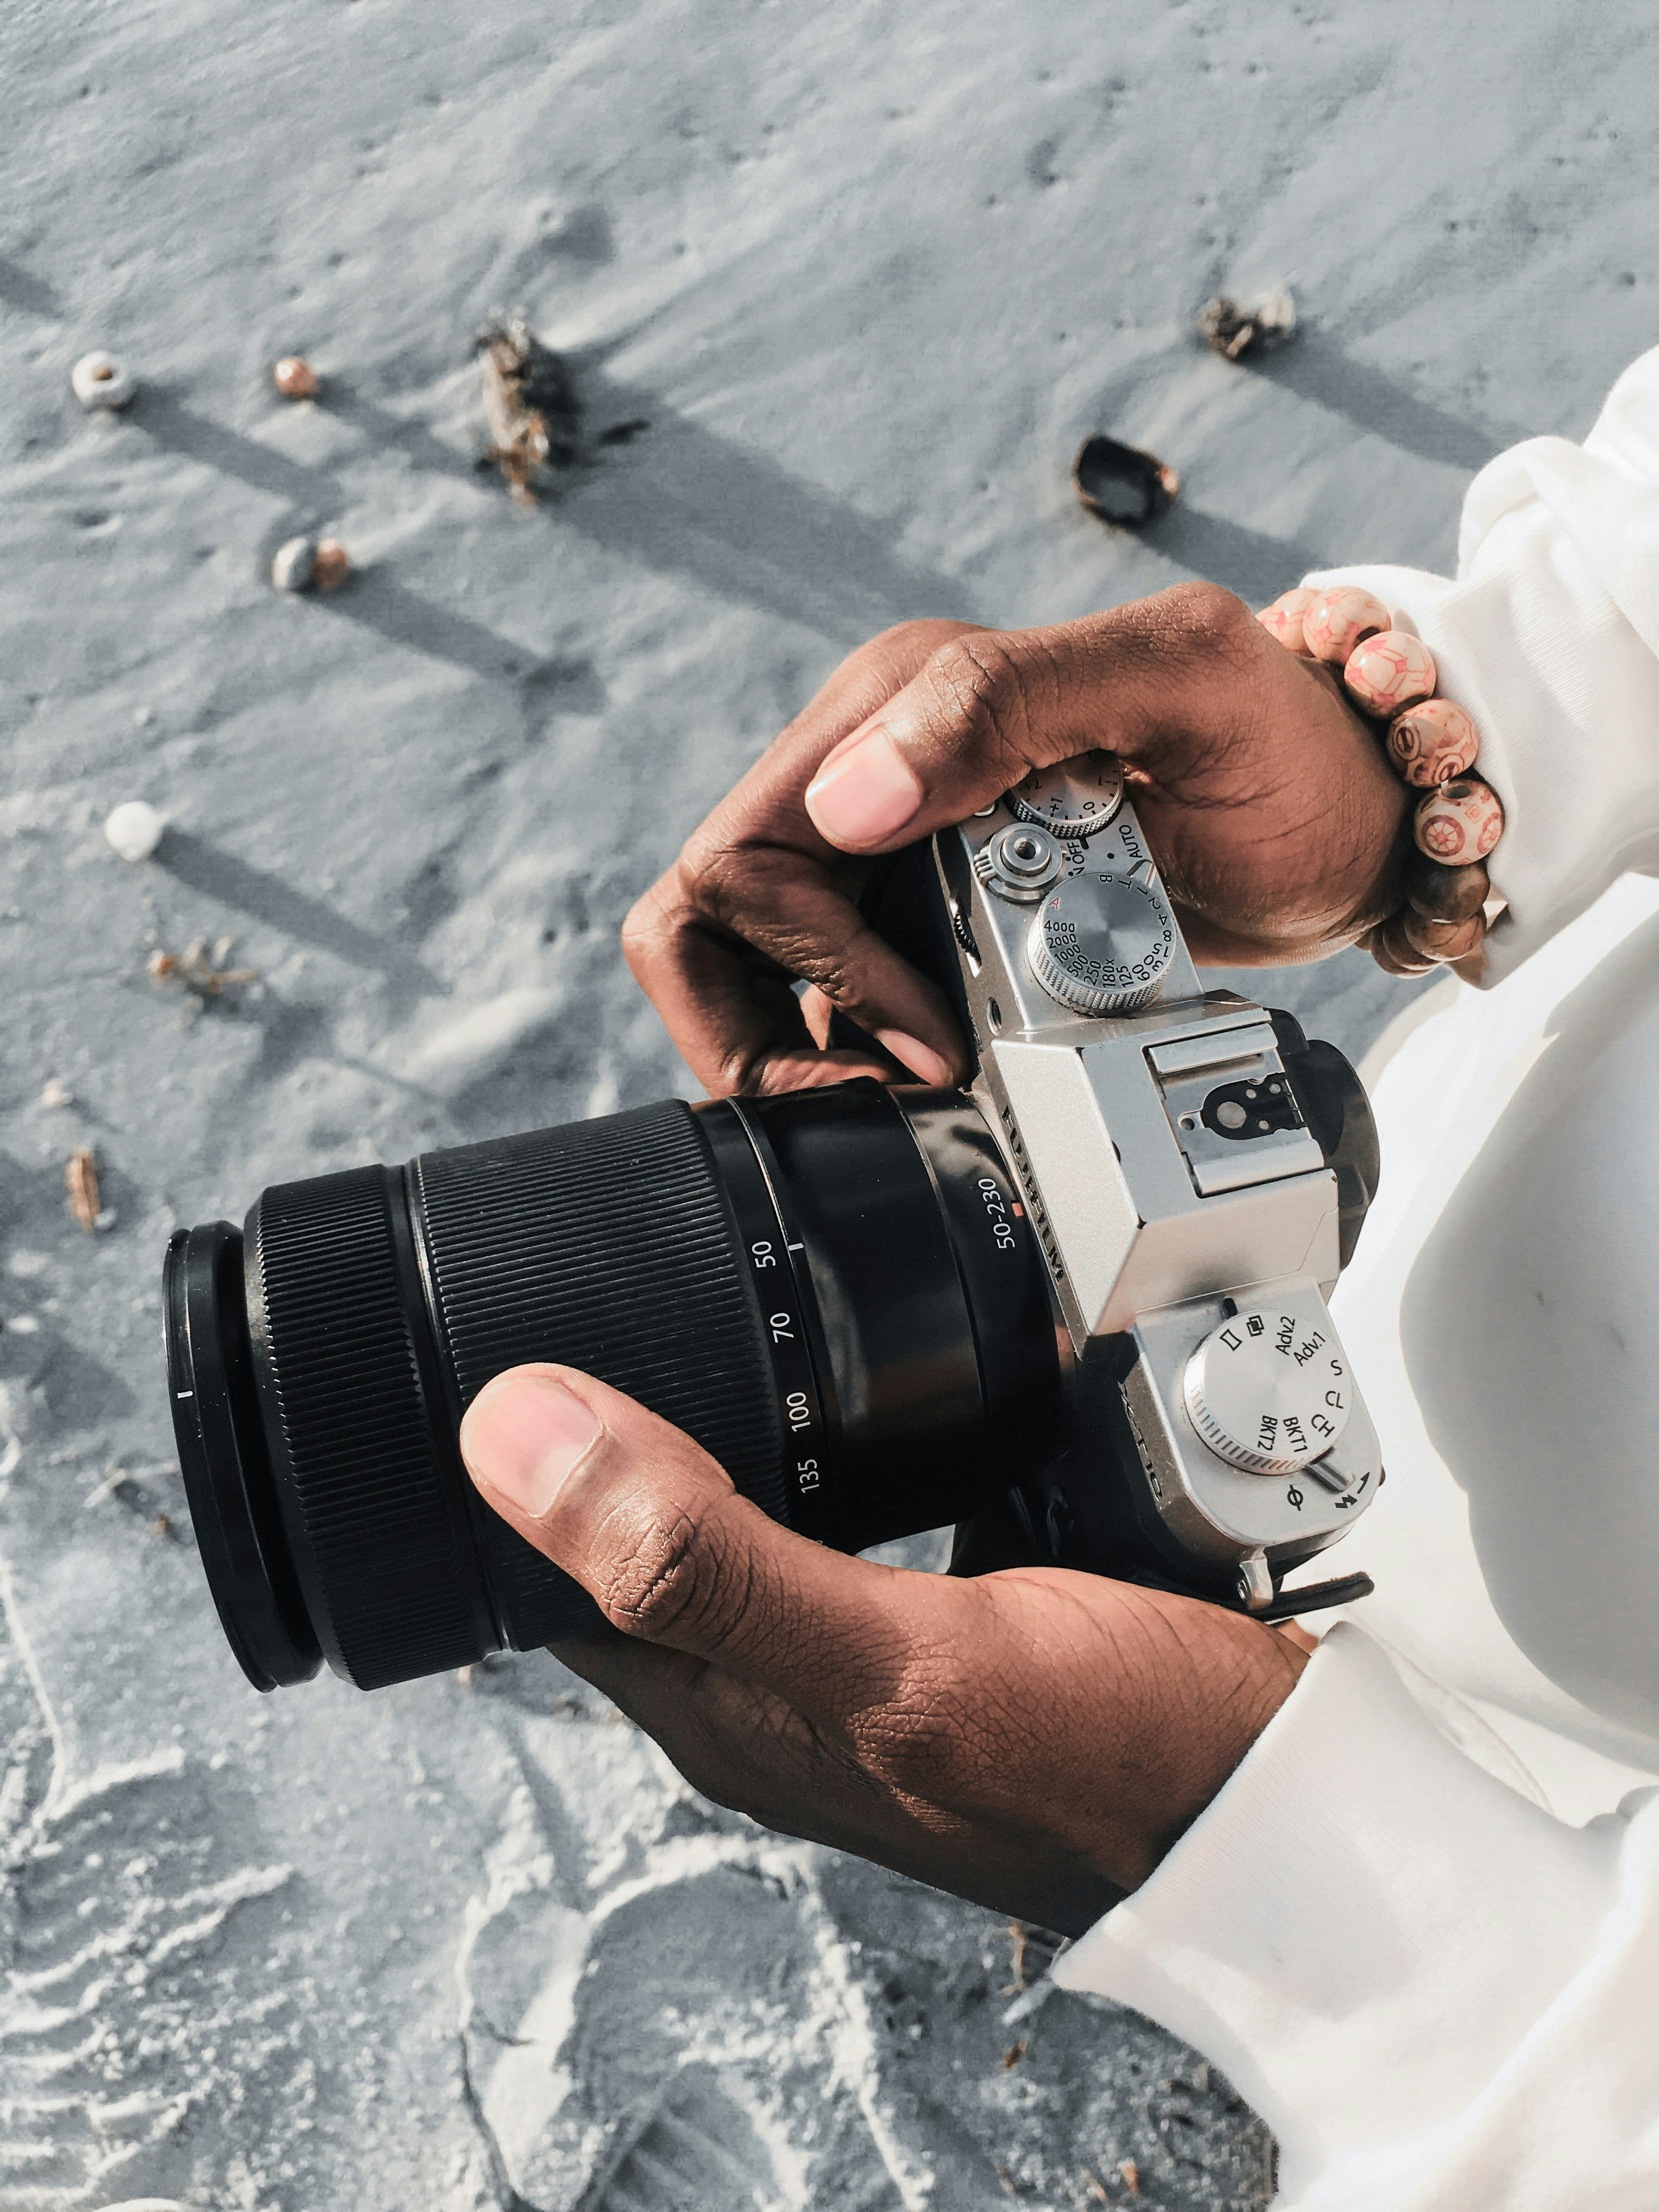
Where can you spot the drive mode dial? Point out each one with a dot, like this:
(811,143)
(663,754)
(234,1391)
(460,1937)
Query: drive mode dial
(1269,1389)
(1101,942)
(1073,798)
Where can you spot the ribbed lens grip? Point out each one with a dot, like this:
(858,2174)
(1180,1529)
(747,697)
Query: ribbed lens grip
(377,1527)
(607,1246)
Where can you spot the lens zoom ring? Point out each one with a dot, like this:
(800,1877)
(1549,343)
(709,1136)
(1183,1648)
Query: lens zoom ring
(365,1479)
(606,1246)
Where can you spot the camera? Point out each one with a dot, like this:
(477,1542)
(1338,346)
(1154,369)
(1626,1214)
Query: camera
(1076,1310)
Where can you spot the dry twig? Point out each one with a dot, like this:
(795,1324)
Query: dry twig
(80,1180)
(199,975)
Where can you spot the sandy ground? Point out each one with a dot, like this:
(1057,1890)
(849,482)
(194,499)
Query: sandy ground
(869,274)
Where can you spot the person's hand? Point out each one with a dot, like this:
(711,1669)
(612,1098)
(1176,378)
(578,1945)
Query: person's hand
(1269,804)
(1034,1741)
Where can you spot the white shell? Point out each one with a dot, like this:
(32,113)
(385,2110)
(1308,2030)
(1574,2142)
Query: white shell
(135,830)
(99,380)
(295,564)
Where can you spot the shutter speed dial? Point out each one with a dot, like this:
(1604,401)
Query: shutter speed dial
(1102,943)
(1073,798)
(1269,1390)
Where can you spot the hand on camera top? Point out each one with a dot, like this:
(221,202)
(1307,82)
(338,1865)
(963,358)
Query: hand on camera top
(1270,806)
(1034,1739)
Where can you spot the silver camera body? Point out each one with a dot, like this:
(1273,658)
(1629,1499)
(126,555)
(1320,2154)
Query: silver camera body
(1193,1224)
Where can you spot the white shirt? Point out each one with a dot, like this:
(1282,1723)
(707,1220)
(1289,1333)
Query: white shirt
(1420,1927)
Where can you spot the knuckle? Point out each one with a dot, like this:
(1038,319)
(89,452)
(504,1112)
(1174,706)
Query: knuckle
(982,683)
(659,1572)
(711,877)
(647,923)
(834,970)
(1214,619)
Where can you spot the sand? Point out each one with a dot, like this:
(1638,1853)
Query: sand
(869,274)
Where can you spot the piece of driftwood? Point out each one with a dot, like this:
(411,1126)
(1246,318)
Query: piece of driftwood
(532,406)
(202,975)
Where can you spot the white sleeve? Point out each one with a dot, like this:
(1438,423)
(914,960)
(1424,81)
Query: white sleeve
(1440,1997)
(1550,638)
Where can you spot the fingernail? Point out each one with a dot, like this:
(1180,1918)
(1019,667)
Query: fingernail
(523,1437)
(865,794)
(920,1058)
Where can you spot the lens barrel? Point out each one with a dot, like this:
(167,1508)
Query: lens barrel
(835,1293)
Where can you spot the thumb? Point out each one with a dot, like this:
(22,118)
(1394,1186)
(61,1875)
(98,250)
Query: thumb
(655,1531)
(989,706)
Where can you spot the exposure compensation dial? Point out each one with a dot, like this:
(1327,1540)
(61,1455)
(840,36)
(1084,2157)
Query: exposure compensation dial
(1074,799)
(1268,1389)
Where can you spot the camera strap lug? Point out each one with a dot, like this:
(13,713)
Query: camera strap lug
(1344,1589)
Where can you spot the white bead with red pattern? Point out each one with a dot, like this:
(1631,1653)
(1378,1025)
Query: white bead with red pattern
(1284,617)
(1339,620)
(1389,672)
(1432,742)
(1459,823)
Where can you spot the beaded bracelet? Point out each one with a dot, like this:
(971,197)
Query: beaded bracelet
(1390,676)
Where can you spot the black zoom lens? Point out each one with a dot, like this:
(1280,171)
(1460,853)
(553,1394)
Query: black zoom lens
(837,1293)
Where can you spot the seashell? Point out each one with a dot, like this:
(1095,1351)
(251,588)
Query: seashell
(296,378)
(1389,672)
(1442,894)
(1442,940)
(1394,952)
(1432,742)
(294,565)
(135,830)
(332,564)
(101,379)
(1284,617)
(1121,484)
(1459,823)
(1340,619)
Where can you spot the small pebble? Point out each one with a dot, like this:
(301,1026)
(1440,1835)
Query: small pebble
(56,1095)
(1432,742)
(1284,617)
(1389,672)
(1341,619)
(1443,940)
(332,565)
(296,378)
(1459,823)
(100,380)
(135,830)
(1442,894)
